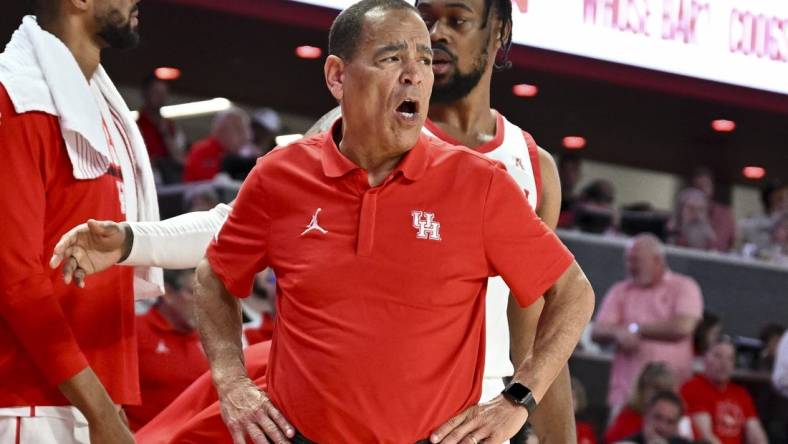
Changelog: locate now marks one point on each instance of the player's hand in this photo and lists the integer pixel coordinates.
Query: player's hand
(492, 423)
(246, 410)
(110, 432)
(89, 248)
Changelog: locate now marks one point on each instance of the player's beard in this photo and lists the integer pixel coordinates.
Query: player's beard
(460, 84)
(115, 32)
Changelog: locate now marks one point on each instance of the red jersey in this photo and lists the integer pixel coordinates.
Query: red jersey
(628, 422)
(380, 291)
(194, 416)
(730, 408)
(169, 362)
(50, 331)
(203, 161)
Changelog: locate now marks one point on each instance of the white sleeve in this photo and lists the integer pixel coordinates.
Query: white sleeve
(176, 243)
(780, 372)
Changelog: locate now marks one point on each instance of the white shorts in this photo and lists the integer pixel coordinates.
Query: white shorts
(43, 425)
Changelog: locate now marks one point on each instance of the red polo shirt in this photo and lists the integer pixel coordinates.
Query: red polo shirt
(380, 291)
(170, 361)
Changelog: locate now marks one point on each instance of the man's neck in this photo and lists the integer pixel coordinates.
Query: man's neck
(719, 385)
(470, 119)
(369, 155)
(85, 50)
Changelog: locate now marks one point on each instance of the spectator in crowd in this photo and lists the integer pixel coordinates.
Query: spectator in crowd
(648, 317)
(200, 198)
(569, 170)
(164, 141)
(757, 231)
(661, 424)
(170, 355)
(770, 337)
(656, 377)
(720, 216)
(593, 211)
(585, 431)
(777, 249)
(690, 225)
(229, 133)
(708, 331)
(780, 371)
(771, 405)
(265, 126)
(722, 412)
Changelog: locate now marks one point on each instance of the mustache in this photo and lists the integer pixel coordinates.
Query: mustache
(438, 46)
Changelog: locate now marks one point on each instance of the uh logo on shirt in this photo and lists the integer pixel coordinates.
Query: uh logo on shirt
(426, 226)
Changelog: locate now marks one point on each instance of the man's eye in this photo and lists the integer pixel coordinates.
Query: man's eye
(427, 61)
(391, 59)
(459, 21)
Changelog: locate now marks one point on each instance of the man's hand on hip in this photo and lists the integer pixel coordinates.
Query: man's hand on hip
(90, 248)
(492, 422)
(246, 410)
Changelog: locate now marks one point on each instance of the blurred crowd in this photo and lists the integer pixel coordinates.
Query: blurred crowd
(698, 221)
(234, 143)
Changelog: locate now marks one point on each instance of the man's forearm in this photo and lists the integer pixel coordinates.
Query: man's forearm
(669, 330)
(85, 392)
(219, 319)
(604, 332)
(554, 421)
(567, 310)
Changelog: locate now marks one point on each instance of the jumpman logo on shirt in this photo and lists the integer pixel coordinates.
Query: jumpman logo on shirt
(313, 225)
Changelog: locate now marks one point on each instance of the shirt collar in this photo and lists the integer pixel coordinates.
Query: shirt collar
(413, 164)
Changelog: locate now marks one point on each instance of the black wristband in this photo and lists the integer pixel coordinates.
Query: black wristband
(128, 242)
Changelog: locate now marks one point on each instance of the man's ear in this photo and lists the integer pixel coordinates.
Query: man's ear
(503, 31)
(80, 5)
(334, 70)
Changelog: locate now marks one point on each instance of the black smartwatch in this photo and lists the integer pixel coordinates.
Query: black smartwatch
(520, 395)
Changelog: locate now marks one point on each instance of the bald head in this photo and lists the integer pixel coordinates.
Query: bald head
(232, 129)
(645, 259)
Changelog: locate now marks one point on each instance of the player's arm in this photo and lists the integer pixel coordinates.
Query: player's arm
(754, 433)
(28, 305)
(702, 421)
(554, 421)
(533, 262)
(175, 243)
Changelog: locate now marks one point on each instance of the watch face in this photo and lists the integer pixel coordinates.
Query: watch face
(518, 391)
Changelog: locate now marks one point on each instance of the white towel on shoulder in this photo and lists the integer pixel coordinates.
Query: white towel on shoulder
(41, 74)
